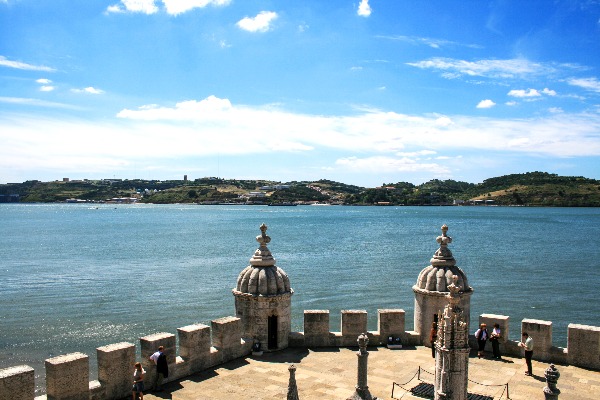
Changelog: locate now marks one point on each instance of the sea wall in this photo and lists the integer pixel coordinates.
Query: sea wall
(202, 347)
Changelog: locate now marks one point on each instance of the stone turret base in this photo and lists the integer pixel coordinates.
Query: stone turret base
(363, 394)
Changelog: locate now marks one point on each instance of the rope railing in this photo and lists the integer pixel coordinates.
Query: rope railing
(418, 376)
(505, 390)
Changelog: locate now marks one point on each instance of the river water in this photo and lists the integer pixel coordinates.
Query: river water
(76, 277)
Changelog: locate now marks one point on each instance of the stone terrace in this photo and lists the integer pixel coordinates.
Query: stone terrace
(331, 373)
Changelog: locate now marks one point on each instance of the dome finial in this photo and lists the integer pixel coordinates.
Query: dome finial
(443, 256)
(262, 256)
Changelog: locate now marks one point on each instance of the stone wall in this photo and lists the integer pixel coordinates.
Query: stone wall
(67, 376)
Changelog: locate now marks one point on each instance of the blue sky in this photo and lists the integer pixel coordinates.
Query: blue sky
(362, 92)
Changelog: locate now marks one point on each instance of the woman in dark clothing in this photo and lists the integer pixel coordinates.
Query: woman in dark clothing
(433, 338)
(481, 335)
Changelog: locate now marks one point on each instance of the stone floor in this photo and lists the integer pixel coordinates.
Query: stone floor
(331, 374)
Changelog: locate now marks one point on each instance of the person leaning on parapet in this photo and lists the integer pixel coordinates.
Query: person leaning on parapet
(527, 344)
(138, 381)
(495, 339)
(482, 336)
(162, 368)
(433, 338)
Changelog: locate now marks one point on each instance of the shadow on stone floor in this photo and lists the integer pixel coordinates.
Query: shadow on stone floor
(290, 355)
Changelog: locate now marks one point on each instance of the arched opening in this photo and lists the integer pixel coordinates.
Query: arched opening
(272, 332)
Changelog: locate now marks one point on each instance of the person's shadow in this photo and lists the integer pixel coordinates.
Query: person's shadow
(538, 378)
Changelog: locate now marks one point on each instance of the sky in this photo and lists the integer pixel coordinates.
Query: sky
(362, 92)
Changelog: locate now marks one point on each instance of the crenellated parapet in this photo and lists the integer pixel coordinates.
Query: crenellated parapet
(317, 331)
(202, 347)
(68, 376)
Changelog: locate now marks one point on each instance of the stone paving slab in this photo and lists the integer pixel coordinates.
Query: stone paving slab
(332, 373)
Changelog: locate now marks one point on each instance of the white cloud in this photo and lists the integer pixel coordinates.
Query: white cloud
(260, 23)
(43, 81)
(141, 6)
(37, 103)
(531, 93)
(512, 68)
(89, 89)
(47, 88)
(176, 7)
(115, 8)
(431, 42)
(555, 110)
(364, 9)
(443, 121)
(486, 104)
(511, 103)
(524, 93)
(211, 107)
(592, 84)
(4, 62)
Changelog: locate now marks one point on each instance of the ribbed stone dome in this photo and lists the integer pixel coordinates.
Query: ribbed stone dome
(438, 276)
(262, 277)
(437, 279)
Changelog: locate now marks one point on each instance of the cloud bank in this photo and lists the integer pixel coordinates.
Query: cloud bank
(364, 143)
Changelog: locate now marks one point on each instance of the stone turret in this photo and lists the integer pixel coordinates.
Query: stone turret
(452, 349)
(432, 287)
(263, 299)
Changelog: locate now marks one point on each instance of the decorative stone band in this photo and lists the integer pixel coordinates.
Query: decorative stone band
(261, 296)
(433, 293)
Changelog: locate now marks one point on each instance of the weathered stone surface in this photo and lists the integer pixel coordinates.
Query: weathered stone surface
(583, 344)
(68, 377)
(316, 328)
(226, 332)
(17, 383)
(194, 346)
(115, 366)
(390, 323)
(354, 323)
(541, 333)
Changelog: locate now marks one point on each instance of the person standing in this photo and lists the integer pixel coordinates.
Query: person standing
(138, 381)
(433, 338)
(482, 336)
(162, 368)
(495, 339)
(527, 344)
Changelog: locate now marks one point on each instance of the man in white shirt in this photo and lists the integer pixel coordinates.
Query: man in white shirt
(527, 344)
(162, 368)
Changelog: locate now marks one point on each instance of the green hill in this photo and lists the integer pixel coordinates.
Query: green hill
(528, 189)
